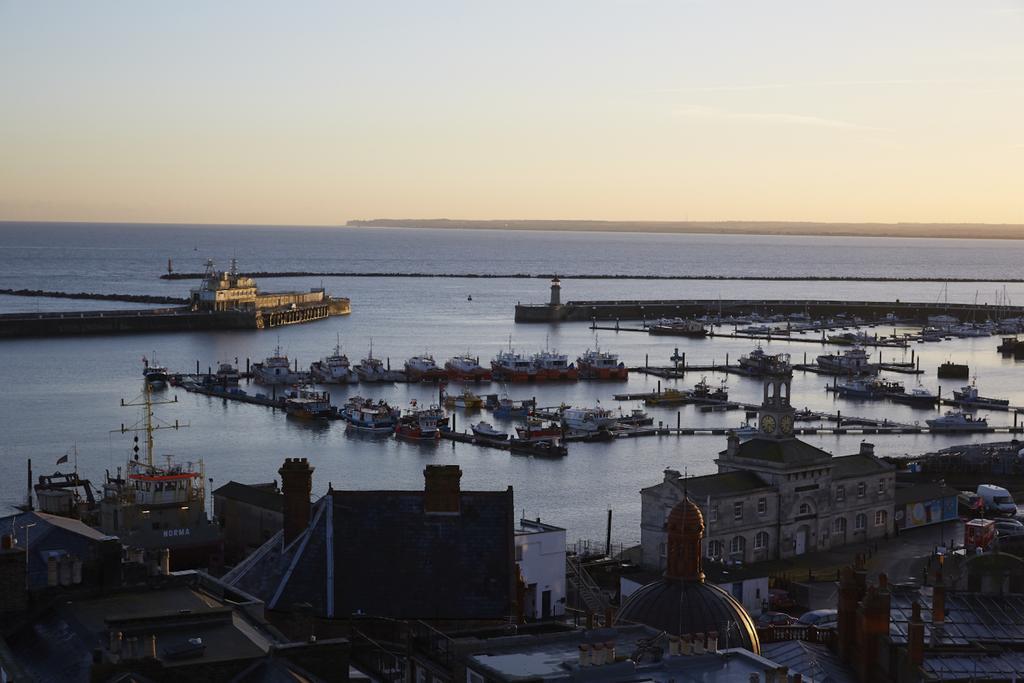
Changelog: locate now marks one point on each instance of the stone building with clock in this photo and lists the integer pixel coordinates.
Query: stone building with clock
(775, 496)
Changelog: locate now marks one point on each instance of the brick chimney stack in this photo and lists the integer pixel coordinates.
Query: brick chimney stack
(442, 489)
(938, 600)
(867, 448)
(852, 584)
(915, 636)
(873, 618)
(297, 485)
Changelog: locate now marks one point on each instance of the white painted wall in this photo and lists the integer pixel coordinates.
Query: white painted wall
(541, 558)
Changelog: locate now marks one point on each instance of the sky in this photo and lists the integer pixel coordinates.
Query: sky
(320, 112)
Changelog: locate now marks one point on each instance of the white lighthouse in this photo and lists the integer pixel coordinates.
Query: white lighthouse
(556, 291)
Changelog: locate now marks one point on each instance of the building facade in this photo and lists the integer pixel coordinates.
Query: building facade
(540, 554)
(775, 496)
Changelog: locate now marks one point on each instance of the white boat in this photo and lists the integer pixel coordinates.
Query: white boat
(968, 395)
(958, 421)
(931, 334)
(588, 419)
(513, 367)
(275, 369)
(746, 431)
(309, 404)
(466, 368)
(154, 374)
(334, 369)
(554, 365)
(487, 432)
(372, 369)
(853, 361)
(423, 368)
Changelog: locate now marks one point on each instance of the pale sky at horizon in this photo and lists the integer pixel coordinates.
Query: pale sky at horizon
(321, 112)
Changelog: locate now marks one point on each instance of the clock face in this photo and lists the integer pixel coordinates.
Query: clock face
(768, 424)
(786, 423)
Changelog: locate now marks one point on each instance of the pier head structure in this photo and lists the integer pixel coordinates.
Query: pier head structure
(225, 300)
(775, 496)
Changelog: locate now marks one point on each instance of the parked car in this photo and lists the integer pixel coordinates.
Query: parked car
(820, 618)
(997, 499)
(766, 619)
(779, 600)
(1009, 526)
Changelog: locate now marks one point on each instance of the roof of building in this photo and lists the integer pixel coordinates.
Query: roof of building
(258, 496)
(526, 527)
(974, 666)
(555, 657)
(373, 552)
(970, 617)
(812, 661)
(688, 607)
(781, 451)
(858, 465)
(737, 482)
(916, 493)
(59, 644)
(48, 534)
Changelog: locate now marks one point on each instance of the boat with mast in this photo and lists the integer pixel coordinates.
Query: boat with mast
(276, 369)
(598, 364)
(467, 368)
(155, 374)
(156, 506)
(333, 369)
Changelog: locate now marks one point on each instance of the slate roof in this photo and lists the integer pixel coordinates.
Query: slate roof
(916, 493)
(970, 618)
(252, 495)
(812, 660)
(782, 451)
(379, 553)
(858, 465)
(51, 533)
(722, 483)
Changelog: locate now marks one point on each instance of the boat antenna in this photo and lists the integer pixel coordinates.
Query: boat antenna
(146, 424)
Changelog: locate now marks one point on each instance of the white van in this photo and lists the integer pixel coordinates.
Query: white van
(997, 499)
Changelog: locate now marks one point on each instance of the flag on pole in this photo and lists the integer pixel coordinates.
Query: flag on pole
(62, 459)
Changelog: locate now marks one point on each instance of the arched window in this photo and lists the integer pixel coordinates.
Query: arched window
(861, 522)
(761, 540)
(805, 509)
(839, 525)
(737, 545)
(716, 549)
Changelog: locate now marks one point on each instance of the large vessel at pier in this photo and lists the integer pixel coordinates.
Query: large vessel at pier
(467, 368)
(598, 364)
(334, 369)
(853, 361)
(276, 369)
(510, 366)
(423, 369)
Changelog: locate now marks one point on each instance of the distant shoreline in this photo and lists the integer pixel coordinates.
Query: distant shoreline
(1006, 231)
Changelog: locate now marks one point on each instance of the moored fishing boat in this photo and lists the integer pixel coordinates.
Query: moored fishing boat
(637, 417)
(537, 430)
(702, 391)
(154, 374)
(510, 366)
(423, 369)
(958, 421)
(588, 419)
(364, 415)
(486, 432)
(951, 370)
(917, 397)
(372, 369)
(276, 369)
(853, 361)
(969, 396)
(504, 406)
(467, 369)
(667, 397)
(598, 364)
(418, 424)
(465, 399)
(333, 369)
(554, 366)
(677, 327)
(309, 404)
(226, 374)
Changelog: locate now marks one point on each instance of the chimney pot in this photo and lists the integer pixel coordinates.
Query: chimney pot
(867, 448)
(296, 485)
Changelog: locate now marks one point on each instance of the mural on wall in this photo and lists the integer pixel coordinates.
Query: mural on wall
(930, 512)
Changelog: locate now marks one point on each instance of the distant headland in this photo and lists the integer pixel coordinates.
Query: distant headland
(949, 230)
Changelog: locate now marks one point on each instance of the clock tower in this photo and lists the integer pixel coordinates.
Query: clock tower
(776, 413)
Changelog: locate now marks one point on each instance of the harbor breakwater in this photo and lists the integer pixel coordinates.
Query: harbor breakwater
(595, 276)
(586, 311)
(175, 319)
(129, 298)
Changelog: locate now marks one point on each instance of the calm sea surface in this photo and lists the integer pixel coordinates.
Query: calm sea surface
(60, 392)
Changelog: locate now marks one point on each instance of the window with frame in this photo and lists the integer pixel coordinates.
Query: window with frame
(737, 545)
(840, 492)
(881, 518)
(861, 522)
(761, 540)
(862, 490)
(713, 517)
(716, 549)
(805, 509)
(762, 506)
(737, 510)
(881, 485)
(839, 525)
